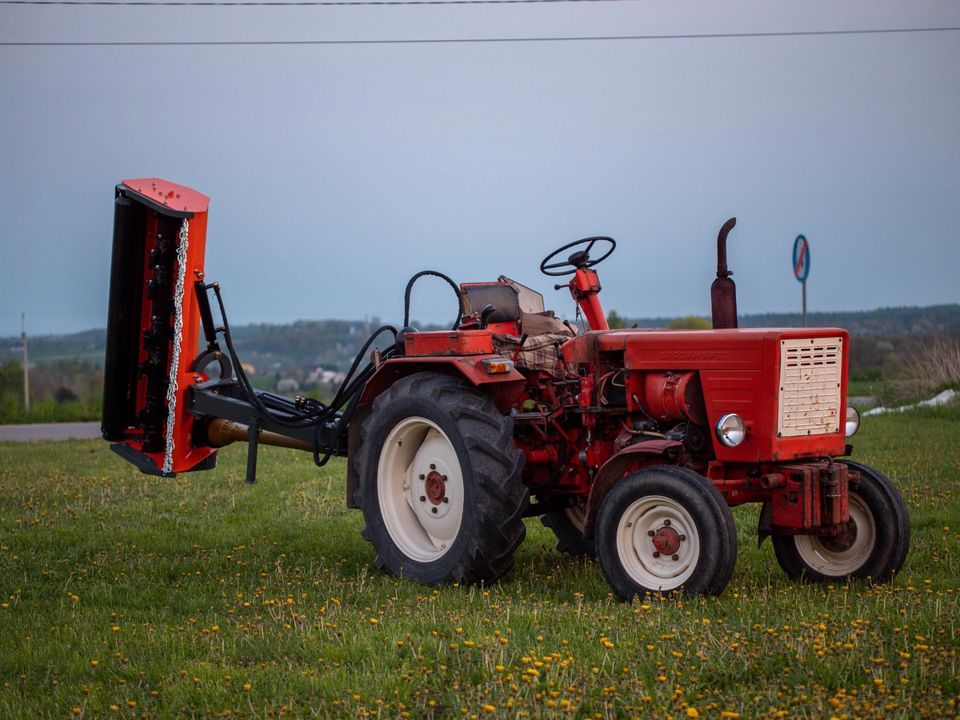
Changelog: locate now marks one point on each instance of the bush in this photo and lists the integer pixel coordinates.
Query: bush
(64, 395)
(691, 322)
(923, 370)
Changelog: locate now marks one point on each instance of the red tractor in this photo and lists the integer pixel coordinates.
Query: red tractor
(632, 445)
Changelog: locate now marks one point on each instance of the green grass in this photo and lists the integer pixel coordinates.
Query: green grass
(864, 387)
(131, 596)
(47, 411)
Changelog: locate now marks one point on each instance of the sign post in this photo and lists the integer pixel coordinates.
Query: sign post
(801, 268)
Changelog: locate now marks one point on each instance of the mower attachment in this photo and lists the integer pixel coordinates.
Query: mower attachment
(153, 326)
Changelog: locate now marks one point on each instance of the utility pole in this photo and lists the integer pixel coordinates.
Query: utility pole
(26, 363)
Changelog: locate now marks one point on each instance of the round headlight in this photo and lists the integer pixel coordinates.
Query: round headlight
(853, 421)
(731, 430)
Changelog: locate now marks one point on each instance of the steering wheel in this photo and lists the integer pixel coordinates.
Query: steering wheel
(577, 260)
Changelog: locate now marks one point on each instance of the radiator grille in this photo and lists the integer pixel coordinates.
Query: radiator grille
(810, 374)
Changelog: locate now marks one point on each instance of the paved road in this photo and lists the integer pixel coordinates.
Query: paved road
(50, 431)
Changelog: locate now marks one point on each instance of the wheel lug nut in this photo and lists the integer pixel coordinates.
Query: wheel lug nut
(656, 554)
(433, 466)
(423, 498)
(651, 533)
(446, 500)
(433, 510)
(676, 557)
(666, 523)
(423, 477)
(443, 477)
(682, 538)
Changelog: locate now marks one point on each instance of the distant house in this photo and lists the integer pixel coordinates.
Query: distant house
(287, 385)
(319, 376)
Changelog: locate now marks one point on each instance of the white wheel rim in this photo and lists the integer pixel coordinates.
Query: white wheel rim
(638, 527)
(420, 489)
(819, 557)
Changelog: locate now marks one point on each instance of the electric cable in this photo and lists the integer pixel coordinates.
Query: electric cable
(291, 3)
(481, 40)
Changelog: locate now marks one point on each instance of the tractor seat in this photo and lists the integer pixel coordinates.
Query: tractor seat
(519, 310)
(504, 298)
(511, 300)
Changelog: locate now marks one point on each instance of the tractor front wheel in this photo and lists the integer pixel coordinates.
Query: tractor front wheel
(440, 484)
(873, 548)
(666, 529)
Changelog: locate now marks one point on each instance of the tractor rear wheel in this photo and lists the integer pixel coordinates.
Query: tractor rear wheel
(666, 529)
(874, 548)
(440, 485)
(568, 526)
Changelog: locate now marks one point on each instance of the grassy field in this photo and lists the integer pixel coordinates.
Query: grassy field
(130, 596)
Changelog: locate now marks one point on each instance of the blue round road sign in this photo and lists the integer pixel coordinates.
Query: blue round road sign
(801, 258)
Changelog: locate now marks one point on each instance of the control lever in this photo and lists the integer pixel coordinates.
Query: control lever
(516, 353)
(487, 311)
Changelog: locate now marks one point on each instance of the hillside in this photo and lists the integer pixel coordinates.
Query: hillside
(883, 322)
(332, 344)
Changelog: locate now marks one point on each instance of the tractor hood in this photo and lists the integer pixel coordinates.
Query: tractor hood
(659, 349)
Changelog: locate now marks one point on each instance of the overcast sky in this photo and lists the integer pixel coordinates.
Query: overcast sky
(336, 172)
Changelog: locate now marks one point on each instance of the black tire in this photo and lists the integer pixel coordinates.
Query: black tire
(654, 500)
(567, 527)
(491, 499)
(880, 516)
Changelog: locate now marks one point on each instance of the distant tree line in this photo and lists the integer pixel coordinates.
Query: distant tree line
(888, 349)
(60, 390)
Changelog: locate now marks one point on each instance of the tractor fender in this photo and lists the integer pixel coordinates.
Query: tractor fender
(505, 387)
(649, 452)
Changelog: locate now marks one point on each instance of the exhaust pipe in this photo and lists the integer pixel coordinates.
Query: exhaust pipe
(723, 292)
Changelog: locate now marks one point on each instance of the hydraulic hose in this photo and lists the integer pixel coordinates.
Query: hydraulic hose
(433, 273)
(317, 414)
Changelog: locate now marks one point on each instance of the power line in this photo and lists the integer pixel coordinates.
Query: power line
(287, 3)
(451, 41)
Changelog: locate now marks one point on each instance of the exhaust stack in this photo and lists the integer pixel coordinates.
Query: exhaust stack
(723, 292)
